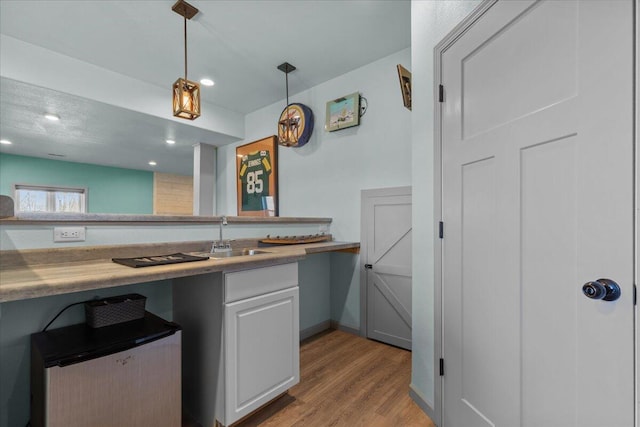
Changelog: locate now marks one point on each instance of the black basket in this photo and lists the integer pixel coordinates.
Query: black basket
(113, 310)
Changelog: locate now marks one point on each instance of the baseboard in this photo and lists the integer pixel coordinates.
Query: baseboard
(349, 329)
(422, 403)
(323, 326)
(315, 329)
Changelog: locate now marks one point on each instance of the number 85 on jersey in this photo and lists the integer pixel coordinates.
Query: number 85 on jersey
(255, 172)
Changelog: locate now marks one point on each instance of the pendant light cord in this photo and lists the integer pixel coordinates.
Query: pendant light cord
(286, 78)
(287, 133)
(185, 47)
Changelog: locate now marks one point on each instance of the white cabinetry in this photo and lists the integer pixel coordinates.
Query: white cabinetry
(240, 340)
(261, 350)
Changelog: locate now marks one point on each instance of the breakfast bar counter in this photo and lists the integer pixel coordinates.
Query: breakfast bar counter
(35, 273)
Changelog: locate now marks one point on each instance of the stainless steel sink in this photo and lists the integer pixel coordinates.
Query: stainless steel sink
(237, 252)
(233, 253)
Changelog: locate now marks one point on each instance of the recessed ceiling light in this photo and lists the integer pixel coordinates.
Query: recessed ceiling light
(206, 82)
(170, 141)
(5, 142)
(152, 163)
(52, 117)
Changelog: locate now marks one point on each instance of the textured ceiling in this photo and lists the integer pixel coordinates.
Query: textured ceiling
(237, 43)
(93, 132)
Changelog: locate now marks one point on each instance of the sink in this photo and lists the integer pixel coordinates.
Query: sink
(237, 252)
(233, 253)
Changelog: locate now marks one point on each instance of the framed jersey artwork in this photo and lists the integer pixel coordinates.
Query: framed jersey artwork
(257, 177)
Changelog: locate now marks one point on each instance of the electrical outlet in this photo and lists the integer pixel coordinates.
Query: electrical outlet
(69, 234)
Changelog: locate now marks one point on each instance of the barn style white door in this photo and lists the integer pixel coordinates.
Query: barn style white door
(386, 238)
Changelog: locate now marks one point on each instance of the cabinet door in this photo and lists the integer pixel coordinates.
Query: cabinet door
(261, 351)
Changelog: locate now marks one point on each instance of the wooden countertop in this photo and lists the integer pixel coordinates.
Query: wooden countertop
(24, 280)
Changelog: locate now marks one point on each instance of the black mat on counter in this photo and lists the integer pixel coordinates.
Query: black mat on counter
(158, 260)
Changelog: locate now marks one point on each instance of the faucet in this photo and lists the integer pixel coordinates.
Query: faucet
(223, 221)
(221, 245)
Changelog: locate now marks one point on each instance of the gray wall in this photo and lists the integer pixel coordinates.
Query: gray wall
(325, 177)
(430, 22)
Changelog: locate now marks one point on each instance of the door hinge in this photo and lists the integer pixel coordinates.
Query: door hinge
(441, 230)
(441, 93)
(441, 367)
(635, 294)
(368, 266)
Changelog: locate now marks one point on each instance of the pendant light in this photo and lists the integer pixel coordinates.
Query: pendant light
(186, 94)
(288, 124)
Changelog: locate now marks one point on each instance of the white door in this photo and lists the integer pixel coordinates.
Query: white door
(537, 200)
(386, 242)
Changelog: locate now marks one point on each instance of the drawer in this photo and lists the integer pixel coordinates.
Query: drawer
(258, 281)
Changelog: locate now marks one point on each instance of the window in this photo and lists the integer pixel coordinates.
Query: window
(37, 198)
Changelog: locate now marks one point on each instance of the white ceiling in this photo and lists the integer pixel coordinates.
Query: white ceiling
(93, 132)
(236, 43)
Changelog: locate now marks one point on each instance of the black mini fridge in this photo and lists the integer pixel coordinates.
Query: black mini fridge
(128, 374)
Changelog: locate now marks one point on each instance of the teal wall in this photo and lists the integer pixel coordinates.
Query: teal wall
(111, 190)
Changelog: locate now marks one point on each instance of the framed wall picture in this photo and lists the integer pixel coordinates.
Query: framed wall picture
(257, 178)
(343, 112)
(405, 85)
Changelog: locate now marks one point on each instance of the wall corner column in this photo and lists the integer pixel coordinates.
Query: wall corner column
(204, 179)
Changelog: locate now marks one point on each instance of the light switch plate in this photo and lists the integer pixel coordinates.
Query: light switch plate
(69, 234)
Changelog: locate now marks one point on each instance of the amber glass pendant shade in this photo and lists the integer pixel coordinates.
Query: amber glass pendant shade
(288, 126)
(186, 99)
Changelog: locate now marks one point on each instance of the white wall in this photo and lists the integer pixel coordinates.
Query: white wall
(37, 236)
(430, 22)
(324, 177)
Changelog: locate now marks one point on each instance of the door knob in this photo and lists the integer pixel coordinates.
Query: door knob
(604, 289)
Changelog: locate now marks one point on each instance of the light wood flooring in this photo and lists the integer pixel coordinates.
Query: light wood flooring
(346, 381)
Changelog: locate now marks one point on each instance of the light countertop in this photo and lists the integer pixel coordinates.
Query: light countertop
(68, 272)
